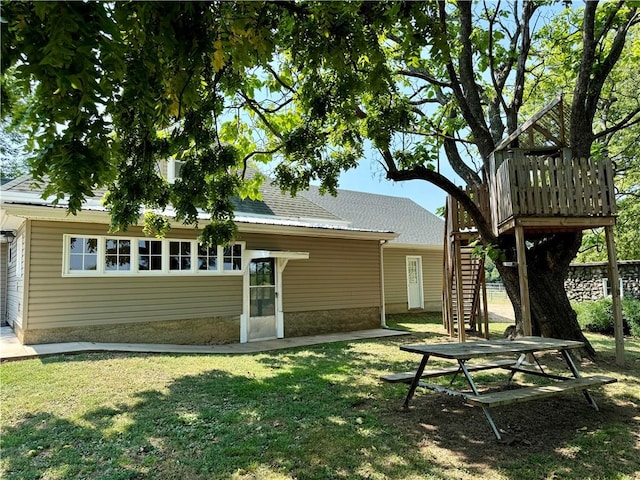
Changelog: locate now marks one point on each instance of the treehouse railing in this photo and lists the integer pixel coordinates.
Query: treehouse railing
(459, 219)
(552, 186)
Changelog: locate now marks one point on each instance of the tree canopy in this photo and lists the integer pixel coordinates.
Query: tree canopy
(114, 88)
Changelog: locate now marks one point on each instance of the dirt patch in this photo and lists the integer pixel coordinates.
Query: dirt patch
(557, 429)
(455, 433)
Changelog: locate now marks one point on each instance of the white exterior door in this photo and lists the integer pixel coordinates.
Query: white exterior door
(263, 301)
(414, 283)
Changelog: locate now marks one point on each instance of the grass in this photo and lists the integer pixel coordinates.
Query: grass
(308, 413)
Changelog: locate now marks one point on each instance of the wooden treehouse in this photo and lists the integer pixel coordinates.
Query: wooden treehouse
(534, 187)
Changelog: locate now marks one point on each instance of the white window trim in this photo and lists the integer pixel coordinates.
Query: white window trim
(134, 271)
(605, 287)
(171, 170)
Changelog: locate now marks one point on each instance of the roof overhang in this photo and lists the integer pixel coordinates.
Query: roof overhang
(98, 214)
(413, 246)
(256, 254)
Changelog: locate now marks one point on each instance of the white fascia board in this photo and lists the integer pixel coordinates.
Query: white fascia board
(413, 246)
(314, 231)
(257, 254)
(99, 214)
(304, 220)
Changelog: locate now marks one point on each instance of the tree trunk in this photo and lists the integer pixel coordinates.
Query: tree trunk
(547, 265)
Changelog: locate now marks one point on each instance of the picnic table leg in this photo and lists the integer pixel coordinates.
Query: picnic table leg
(416, 381)
(574, 370)
(485, 410)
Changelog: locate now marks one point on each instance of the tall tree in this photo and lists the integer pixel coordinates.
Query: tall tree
(555, 68)
(121, 86)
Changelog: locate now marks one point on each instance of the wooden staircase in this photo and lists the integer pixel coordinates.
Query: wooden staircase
(465, 298)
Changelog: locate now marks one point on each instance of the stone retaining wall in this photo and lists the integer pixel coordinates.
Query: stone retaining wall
(584, 281)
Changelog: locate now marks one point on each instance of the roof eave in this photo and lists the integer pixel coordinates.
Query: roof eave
(51, 213)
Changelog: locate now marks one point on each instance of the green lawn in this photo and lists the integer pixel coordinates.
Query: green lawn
(308, 413)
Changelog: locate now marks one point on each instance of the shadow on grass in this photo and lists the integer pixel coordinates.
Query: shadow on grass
(320, 413)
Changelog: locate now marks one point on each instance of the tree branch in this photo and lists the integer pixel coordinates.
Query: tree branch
(253, 105)
(626, 122)
(419, 172)
(422, 75)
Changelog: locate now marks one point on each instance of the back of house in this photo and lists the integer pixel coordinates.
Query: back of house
(300, 265)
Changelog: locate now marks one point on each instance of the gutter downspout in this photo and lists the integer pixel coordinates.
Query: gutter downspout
(383, 312)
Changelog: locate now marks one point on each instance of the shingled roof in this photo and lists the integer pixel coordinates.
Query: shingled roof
(415, 225)
(354, 210)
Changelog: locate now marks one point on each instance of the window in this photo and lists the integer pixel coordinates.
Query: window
(83, 254)
(207, 258)
(173, 170)
(150, 255)
(117, 254)
(232, 257)
(180, 255)
(606, 288)
(96, 255)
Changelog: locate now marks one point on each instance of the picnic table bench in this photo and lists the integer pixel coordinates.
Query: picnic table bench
(465, 353)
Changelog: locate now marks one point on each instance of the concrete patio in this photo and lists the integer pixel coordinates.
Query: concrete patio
(11, 349)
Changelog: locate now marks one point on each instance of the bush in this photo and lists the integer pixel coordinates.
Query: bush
(597, 317)
(631, 313)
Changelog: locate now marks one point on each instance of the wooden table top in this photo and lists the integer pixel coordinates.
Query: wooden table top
(491, 347)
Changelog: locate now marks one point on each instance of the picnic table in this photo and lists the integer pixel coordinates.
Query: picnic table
(466, 355)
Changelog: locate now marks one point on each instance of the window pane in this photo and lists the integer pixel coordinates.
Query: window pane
(143, 247)
(143, 263)
(75, 262)
(185, 248)
(91, 262)
(124, 263)
(91, 245)
(156, 263)
(156, 247)
(76, 245)
(124, 246)
(263, 301)
(111, 262)
(111, 246)
(174, 248)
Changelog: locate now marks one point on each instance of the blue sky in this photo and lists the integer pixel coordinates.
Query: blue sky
(370, 177)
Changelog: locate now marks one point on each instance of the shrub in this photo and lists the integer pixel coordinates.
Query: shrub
(595, 316)
(631, 313)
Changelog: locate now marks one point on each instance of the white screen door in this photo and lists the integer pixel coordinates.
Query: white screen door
(262, 299)
(414, 282)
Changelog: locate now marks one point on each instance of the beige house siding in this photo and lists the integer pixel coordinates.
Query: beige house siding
(395, 278)
(339, 273)
(341, 276)
(56, 301)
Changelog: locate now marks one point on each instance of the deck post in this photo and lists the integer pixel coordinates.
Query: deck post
(459, 290)
(525, 306)
(614, 281)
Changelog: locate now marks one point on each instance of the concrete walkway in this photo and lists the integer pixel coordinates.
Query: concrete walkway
(12, 349)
